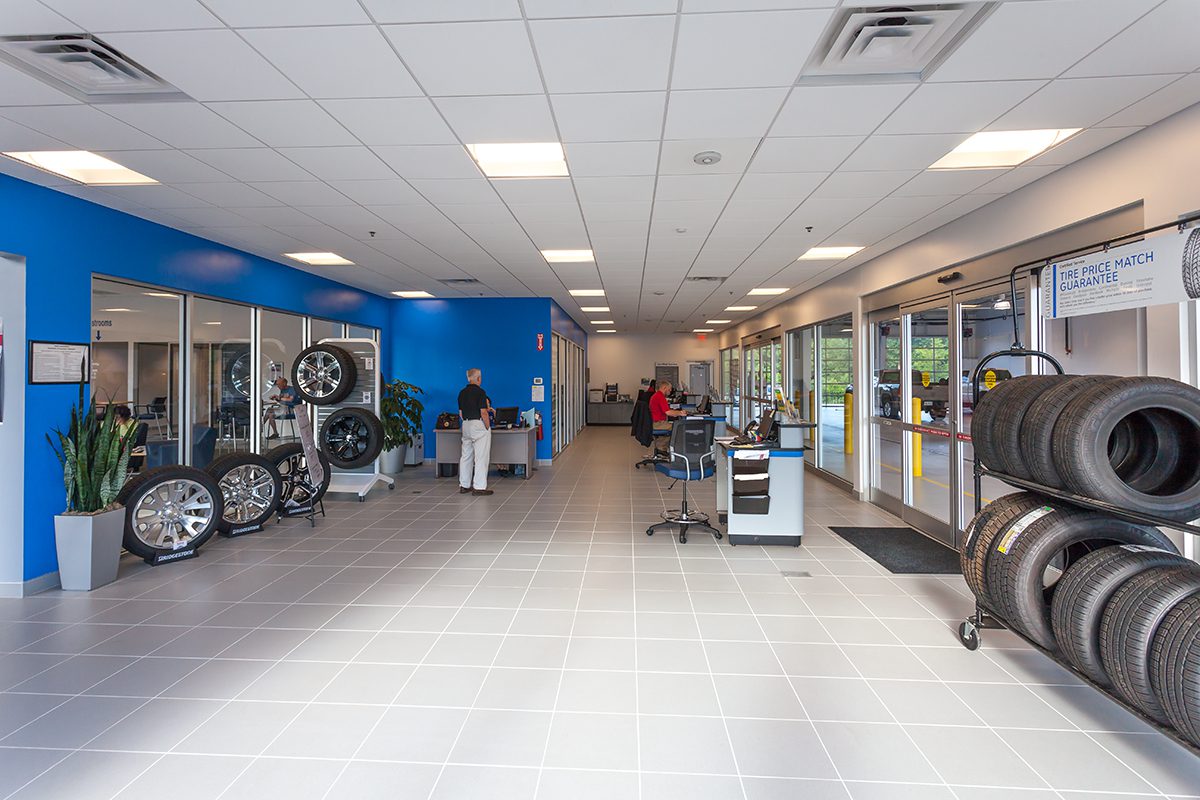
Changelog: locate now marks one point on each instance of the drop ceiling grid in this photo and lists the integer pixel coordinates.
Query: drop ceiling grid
(325, 136)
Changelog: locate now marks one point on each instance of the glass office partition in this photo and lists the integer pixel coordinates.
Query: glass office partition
(319, 329)
(222, 349)
(361, 332)
(282, 339)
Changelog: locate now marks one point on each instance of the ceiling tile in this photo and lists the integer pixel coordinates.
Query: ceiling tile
(384, 121)
(473, 190)
(861, 184)
(386, 11)
(212, 217)
(678, 156)
(286, 123)
(433, 161)
(134, 15)
(273, 215)
(388, 191)
(535, 190)
(19, 137)
(165, 197)
(722, 113)
(1159, 42)
(1014, 179)
(689, 187)
(168, 166)
(838, 110)
(302, 193)
(718, 51)
(914, 151)
(339, 163)
(1080, 102)
(22, 17)
(943, 182)
(535, 9)
(1083, 144)
(619, 190)
(1053, 35)
(957, 107)
(593, 159)
(793, 186)
(508, 118)
(82, 126)
(251, 164)
(609, 117)
(268, 13)
(803, 154)
(229, 194)
(1166, 101)
(494, 213)
(606, 213)
(353, 61)
(578, 55)
(468, 58)
(184, 125)
(184, 58)
(19, 89)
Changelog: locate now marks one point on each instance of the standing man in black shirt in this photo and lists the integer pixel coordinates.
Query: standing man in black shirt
(473, 406)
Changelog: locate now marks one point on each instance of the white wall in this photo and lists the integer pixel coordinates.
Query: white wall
(625, 359)
(12, 429)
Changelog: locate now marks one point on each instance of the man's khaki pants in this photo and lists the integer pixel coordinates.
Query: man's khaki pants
(476, 454)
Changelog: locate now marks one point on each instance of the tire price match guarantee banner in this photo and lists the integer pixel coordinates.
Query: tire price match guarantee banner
(1159, 270)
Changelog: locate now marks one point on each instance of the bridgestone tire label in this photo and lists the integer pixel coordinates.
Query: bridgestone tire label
(1142, 548)
(1010, 537)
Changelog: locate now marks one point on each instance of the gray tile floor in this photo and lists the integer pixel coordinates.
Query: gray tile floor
(537, 644)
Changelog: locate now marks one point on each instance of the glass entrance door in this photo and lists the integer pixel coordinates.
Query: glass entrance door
(886, 433)
(931, 428)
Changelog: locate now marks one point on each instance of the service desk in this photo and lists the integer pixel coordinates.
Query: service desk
(772, 511)
(509, 446)
(609, 413)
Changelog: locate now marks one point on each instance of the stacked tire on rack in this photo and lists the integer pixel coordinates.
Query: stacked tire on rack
(1110, 597)
(325, 375)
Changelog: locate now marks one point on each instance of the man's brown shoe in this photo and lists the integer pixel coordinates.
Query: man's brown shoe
(464, 489)
(481, 492)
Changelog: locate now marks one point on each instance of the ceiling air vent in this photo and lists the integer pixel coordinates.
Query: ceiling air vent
(891, 42)
(460, 281)
(86, 68)
(704, 279)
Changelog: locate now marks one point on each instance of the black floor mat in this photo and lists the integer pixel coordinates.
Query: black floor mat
(902, 551)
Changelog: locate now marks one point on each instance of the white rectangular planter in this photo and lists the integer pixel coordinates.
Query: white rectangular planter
(89, 549)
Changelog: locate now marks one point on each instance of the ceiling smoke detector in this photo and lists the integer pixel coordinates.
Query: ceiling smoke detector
(706, 158)
(86, 68)
(897, 43)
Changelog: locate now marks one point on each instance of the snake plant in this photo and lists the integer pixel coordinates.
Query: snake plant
(94, 455)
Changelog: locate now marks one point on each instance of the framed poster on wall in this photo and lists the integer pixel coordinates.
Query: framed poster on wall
(58, 362)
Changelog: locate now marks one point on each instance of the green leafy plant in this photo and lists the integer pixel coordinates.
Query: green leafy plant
(400, 411)
(94, 455)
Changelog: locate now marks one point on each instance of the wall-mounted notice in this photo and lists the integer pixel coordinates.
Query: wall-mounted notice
(58, 362)
(1158, 270)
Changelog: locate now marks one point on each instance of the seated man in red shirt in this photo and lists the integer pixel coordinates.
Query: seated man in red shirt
(660, 415)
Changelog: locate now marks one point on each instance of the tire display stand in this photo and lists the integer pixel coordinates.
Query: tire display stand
(365, 395)
(984, 618)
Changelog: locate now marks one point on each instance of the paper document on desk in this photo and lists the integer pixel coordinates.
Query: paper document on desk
(752, 455)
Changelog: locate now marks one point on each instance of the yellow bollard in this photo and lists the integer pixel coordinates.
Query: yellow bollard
(848, 422)
(808, 432)
(916, 438)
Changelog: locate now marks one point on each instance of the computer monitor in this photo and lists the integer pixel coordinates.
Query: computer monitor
(507, 416)
(704, 407)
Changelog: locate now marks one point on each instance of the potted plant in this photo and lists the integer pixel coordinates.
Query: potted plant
(400, 411)
(95, 456)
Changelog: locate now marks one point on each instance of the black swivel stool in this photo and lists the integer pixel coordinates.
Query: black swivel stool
(692, 459)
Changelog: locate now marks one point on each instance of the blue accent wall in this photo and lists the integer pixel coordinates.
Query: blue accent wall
(64, 240)
(434, 343)
(562, 324)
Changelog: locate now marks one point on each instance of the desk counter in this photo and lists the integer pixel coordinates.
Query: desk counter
(509, 446)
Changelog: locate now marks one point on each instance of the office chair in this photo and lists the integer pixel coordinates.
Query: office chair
(204, 443)
(641, 427)
(137, 448)
(692, 459)
(156, 411)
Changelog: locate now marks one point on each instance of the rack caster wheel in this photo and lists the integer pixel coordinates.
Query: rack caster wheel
(968, 634)
(649, 531)
(682, 539)
(718, 536)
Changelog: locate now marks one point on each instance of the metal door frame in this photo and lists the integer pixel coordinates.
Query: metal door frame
(891, 503)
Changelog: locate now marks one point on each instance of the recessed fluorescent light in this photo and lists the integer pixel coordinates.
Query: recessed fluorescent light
(702, 330)
(116, 309)
(594, 309)
(413, 295)
(606, 330)
(828, 253)
(717, 321)
(998, 149)
(568, 256)
(524, 160)
(740, 308)
(82, 167)
(171, 295)
(212, 323)
(602, 322)
(319, 259)
(588, 293)
(766, 291)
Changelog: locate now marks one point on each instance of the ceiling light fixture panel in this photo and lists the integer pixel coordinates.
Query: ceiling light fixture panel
(587, 293)
(81, 166)
(717, 321)
(764, 292)
(594, 309)
(520, 160)
(319, 259)
(413, 295)
(740, 308)
(607, 330)
(568, 256)
(1002, 149)
(828, 253)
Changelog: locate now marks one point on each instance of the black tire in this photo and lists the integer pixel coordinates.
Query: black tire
(1083, 593)
(1037, 428)
(324, 374)
(982, 417)
(170, 511)
(1134, 442)
(298, 489)
(1128, 626)
(250, 489)
(1175, 667)
(1022, 564)
(1005, 429)
(1191, 264)
(351, 438)
(994, 520)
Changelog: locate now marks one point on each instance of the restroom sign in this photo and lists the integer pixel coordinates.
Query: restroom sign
(541, 342)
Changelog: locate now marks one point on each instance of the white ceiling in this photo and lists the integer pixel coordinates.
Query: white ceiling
(317, 122)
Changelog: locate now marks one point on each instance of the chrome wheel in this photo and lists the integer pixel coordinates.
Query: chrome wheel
(239, 373)
(249, 492)
(172, 514)
(319, 374)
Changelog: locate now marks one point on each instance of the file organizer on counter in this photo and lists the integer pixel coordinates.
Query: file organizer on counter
(764, 489)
